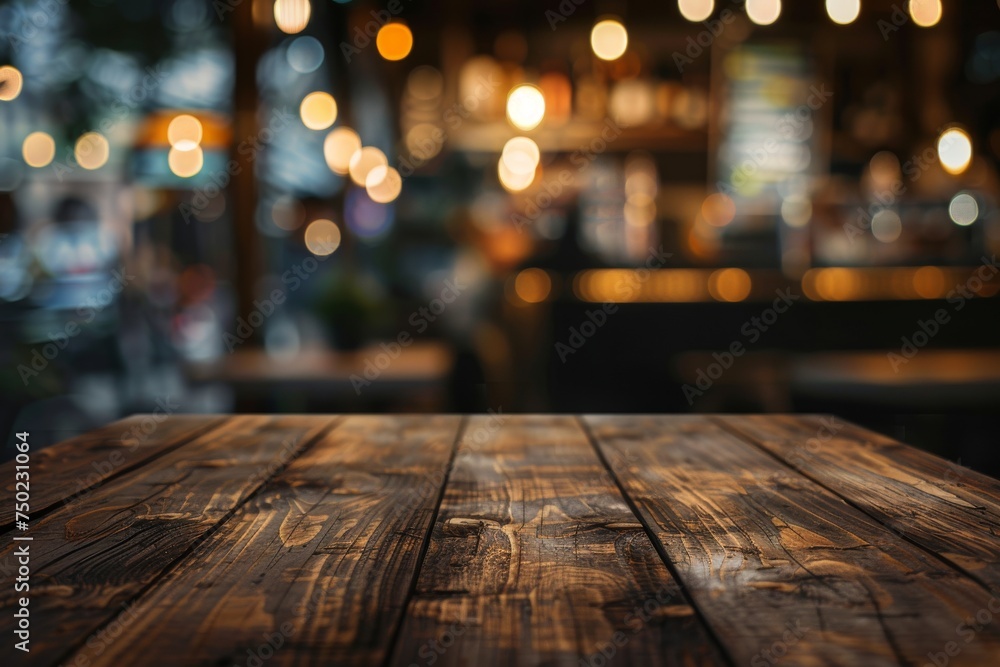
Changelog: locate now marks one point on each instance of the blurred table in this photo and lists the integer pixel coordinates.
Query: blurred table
(503, 540)
(416, 378)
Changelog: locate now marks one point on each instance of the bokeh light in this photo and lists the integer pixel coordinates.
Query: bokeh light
(363, 161)
(11, 82)
(843, 12)
(394, 41)
(383, 184)
(963, 209)
(696, 10)
(532, 285)
(338, 148)
(718, 209)
(954, 150)
(763, 12)
(513, 181)
(92, 151)
(318, 110)
(292, 16)
(525, 107)
(609, 39)
(521, 155)
(186, 162)
(886, 226)
(38, 149)
(322, 237)
(925, 13)
(729, 285)
(184, 132)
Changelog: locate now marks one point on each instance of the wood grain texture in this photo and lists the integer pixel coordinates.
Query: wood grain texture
(93, 555)
(950, 510)
(315, 569)
(72, 468)
(536, 559)
(772, 560)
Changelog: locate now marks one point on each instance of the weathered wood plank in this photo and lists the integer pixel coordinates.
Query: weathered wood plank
(778, 564)
(93, 555)
(950, 510)
(70, 469)
(315, 569)
(536, 559)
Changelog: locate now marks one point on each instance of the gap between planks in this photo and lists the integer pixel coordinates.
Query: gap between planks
(681, 583)
(173, 565)
(751, 440)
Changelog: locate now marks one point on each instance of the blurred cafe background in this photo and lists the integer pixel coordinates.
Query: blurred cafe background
(508, 205)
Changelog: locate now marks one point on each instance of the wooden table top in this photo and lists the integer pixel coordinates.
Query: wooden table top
(496, 539)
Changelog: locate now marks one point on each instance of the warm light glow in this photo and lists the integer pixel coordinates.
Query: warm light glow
(843, 11)
(718, 209)
(886, 226)
(186, 163)
(963, 209)
(383, 184)
(338, 148)
(322, 237)
(363, 161)
(763, 12)
(38, 149)
(729, 285)
(609, 39)
(11, 82)
(525, 107)
(184, 132)
(925, 13)
(696, 10)
(318, 110)
(532, 285)
(91, 151)
(521, 155)
(513, 181)
(394, 41)
(929, 282)
(292, 16)
(954, 150)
